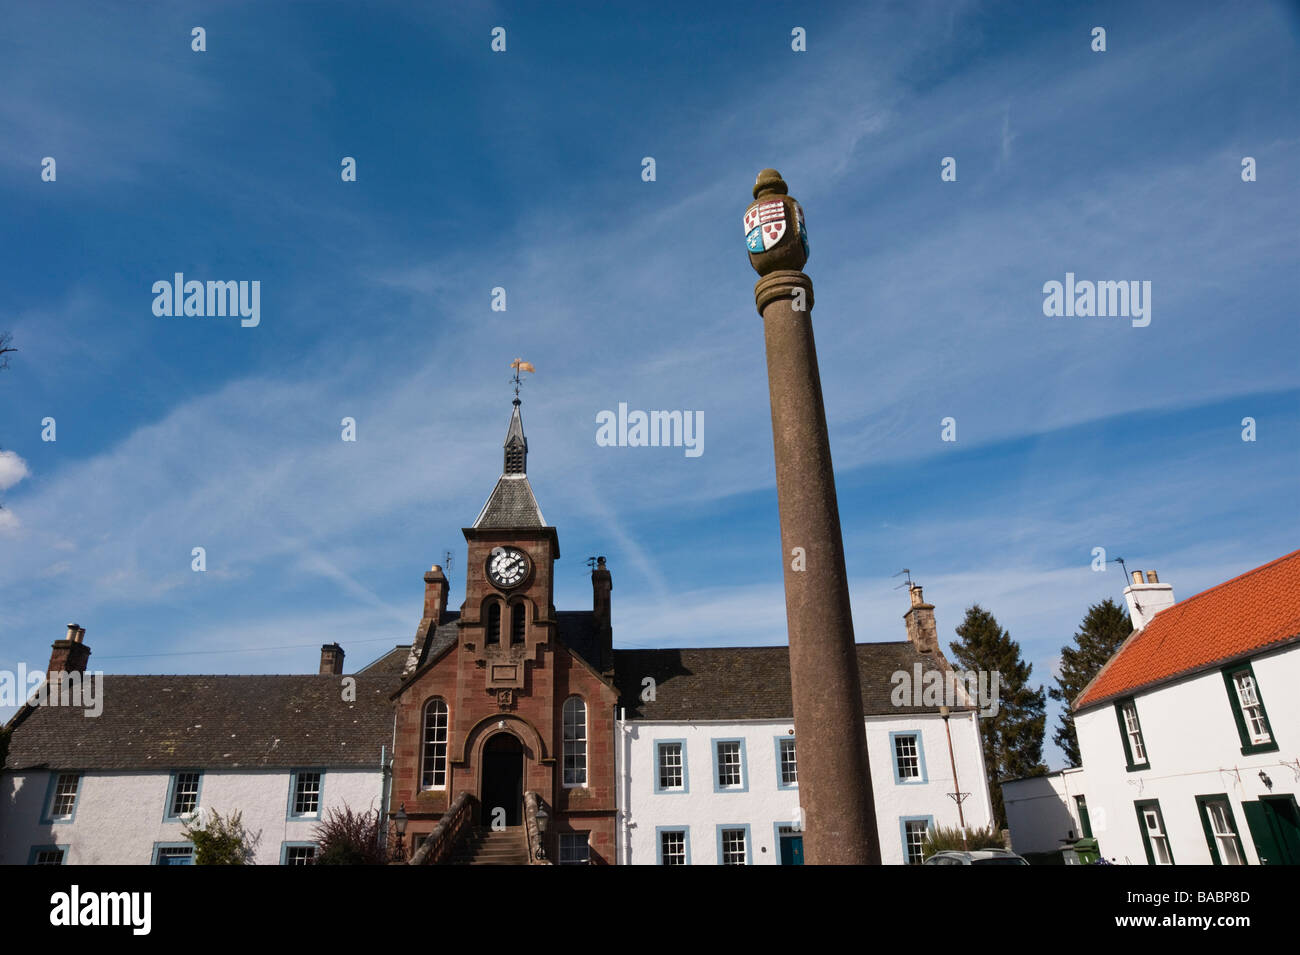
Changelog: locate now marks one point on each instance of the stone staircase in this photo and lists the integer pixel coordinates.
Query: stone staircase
(508, 846)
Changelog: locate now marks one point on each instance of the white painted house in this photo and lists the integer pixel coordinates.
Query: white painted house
(708, 767)
(118, 788)
(1190, 734)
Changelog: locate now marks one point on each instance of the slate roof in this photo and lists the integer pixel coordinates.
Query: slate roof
(749, 683)
(216, 722)
(1245, 615)
(511, 504)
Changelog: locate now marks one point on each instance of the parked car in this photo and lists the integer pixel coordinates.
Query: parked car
(976, 857)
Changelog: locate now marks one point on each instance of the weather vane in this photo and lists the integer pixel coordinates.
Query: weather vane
(520, 365)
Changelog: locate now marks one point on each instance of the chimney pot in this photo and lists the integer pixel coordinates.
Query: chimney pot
(1152, 578)
(70, 654)
(1137, 577)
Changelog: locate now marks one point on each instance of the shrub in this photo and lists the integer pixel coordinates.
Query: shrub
(221, 841)
(352, 838)
(946, 838)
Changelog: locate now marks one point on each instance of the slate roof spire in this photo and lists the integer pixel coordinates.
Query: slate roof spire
(516, 460)
(511, 503)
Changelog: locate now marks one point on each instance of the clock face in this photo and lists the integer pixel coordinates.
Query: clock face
(507, 567)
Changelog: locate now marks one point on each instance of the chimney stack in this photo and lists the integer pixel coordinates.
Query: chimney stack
(919, 618)
(331, 660)
(70, 654)
(1146, 597)
(435, 595)
(601, 584)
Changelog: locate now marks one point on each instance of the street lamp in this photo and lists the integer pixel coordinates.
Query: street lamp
(543, 823)
(399, 820)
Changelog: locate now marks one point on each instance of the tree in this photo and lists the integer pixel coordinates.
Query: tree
(352, 838)
(1104, 628)
(1013, 737)
(221, 841)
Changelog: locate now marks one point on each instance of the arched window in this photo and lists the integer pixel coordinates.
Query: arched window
(494, 623)
(434, 770)
(517, 615)
(575, 742)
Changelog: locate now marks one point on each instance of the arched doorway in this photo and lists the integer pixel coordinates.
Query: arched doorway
(503, 778)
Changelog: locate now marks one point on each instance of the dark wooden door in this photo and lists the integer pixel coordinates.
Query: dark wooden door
(503, 780)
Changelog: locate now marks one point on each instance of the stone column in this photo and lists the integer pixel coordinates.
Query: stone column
(839, 816)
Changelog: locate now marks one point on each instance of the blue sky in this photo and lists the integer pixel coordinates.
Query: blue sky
(522, 170)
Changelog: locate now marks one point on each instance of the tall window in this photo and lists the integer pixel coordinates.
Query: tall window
(1251, 709)
(64, 801)
(517, 616)
(907, 756)
(729, 764)
(789, 767)
(732, 847)
(670, 772)
(494, 623)
(575, 742)
(1221, 830)
(306, 793)
(1154, 838)
(672, 847)
(434, 773)
(914, 831)
(185, 794)
(1135, 750)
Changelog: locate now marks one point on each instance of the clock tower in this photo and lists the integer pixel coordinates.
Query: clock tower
(509, 696)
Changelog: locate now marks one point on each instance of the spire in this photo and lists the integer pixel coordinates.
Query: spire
(511, 503)
(516, 459)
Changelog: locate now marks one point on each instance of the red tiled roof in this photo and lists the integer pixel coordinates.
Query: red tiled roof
(1244, 615)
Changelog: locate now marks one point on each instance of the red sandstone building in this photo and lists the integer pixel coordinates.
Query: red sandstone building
(508, 695)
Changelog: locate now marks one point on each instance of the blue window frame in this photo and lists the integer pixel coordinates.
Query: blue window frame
(670, 769)
(732, 840)
(730, 768)
(62, 796)
(787, 763)
(306, 794)
(908, 834)
(909, 758)
(298, 853)
(183, 793)
(173, 853)
(48, 855)
(678, 844)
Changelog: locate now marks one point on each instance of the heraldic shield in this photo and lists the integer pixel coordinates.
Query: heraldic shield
(765, 225)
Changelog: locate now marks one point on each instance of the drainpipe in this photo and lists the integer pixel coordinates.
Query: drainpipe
(625, 786)
(956, 786)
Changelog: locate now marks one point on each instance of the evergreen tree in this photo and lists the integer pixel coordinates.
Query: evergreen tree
(1104, 628)
(1013, 738)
